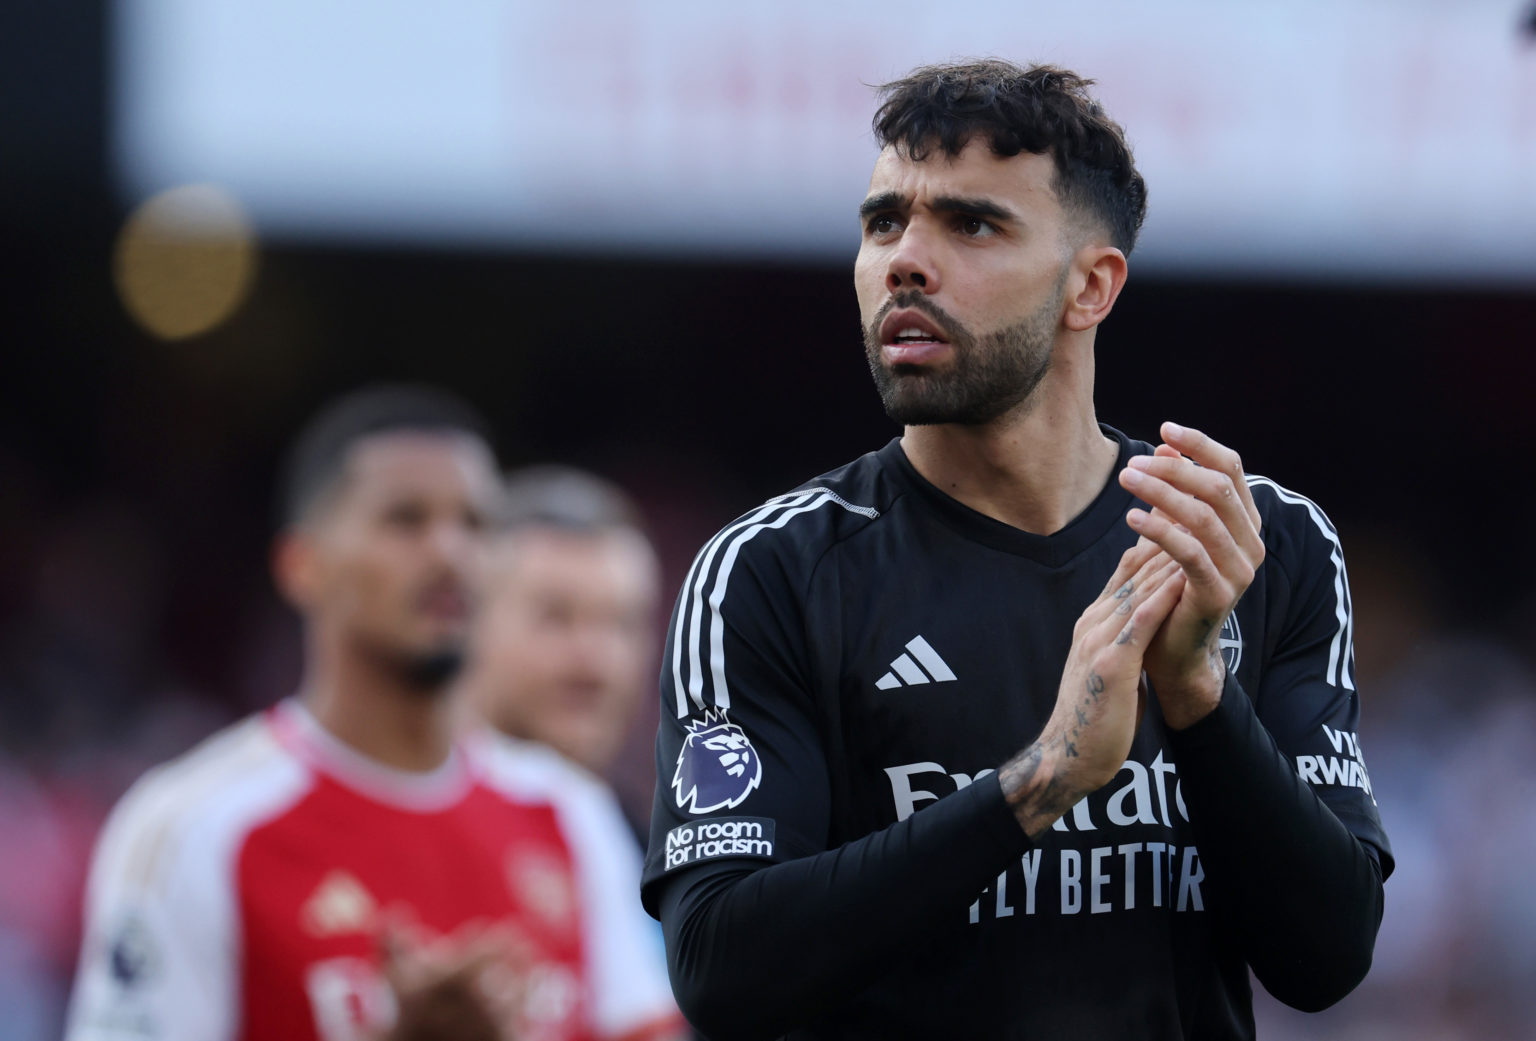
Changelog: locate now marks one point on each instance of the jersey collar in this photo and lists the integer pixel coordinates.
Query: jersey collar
(1087, 528)
(300, 732)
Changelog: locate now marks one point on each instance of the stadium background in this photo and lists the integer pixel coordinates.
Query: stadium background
(1390, 377)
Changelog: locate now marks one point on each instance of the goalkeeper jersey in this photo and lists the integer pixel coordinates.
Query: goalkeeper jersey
(865, 650)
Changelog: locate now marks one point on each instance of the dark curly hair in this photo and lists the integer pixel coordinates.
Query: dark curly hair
(1041, 109)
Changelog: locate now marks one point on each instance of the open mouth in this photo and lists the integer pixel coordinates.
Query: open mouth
(906, 328)
(909, 337)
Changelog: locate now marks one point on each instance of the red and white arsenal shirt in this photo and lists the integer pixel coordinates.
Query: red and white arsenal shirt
(237, 892)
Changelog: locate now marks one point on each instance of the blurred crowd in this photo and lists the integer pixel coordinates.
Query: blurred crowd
(90, 697)
(1449, 733)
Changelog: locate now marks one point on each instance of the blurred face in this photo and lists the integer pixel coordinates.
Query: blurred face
(960, 276)
(389, 566)
(566, 644)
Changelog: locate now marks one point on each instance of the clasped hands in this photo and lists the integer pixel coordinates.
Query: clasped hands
(468, 986)
(1160, 615)
(1204, 519)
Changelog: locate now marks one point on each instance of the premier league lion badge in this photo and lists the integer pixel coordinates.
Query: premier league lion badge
(717, 767)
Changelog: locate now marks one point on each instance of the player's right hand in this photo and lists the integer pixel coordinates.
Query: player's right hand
(1098, 705)
(458, 988)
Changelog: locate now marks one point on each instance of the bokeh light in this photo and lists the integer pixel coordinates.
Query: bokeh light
(185, 261)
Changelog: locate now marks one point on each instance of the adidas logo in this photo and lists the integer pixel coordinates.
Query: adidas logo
(909, 671)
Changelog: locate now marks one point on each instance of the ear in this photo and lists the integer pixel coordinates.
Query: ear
(1100, 275)
(296, 568)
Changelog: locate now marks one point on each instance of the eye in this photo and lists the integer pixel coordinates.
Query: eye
(882, 224)
(553, 609)
(976, 228)
(405, 516)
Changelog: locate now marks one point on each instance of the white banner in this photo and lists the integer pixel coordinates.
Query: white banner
(1370, 139)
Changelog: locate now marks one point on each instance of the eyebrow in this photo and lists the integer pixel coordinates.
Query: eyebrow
(879, 203)
(970, 207)
(973, 208)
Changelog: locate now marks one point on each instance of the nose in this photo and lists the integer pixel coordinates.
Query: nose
(597, 644)
(913, 263)
(452, 541)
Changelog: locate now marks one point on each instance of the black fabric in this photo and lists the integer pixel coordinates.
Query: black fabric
(845, 668)
(730, 930)
(1302, 896)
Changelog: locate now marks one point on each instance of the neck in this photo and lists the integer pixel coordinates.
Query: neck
(1035, 468)
(363, 702)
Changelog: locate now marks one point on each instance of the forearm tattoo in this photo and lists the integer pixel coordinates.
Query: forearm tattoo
(1036, 795)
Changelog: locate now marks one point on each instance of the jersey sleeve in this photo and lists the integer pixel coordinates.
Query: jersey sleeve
(740, 772)
(1307, 697)
(631, 998)
(1295, 867)
(765, 925)
(157, 962)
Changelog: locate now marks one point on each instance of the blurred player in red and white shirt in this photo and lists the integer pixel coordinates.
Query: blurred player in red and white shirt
(343, 866)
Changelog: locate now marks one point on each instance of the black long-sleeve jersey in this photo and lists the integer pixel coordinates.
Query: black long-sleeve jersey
(831, 855)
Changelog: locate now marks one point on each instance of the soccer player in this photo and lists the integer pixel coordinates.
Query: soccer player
(1017, 727)
(343, 866)
(564, 649)
(567, 640)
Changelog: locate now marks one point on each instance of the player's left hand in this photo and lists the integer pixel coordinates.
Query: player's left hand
(1204, 517)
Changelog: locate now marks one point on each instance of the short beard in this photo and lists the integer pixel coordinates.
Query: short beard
(428, 674)
(990, 375)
